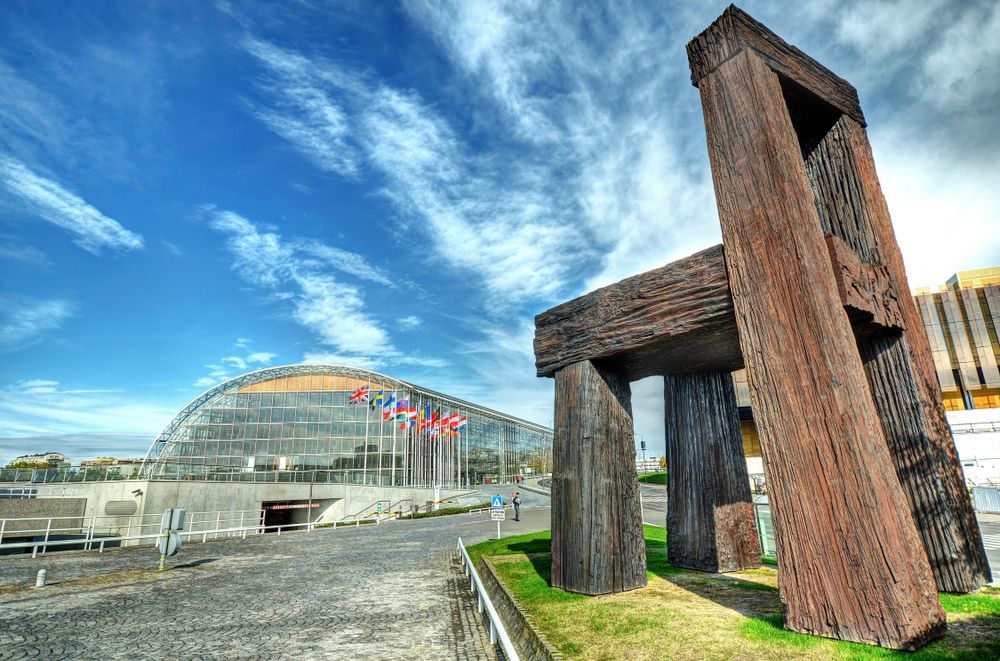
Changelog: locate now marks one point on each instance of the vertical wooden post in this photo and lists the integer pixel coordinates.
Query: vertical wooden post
(597, 540)
(900, 369)
(851, 563)
(710, 518)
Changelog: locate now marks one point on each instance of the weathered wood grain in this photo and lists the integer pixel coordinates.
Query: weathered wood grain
(597, 539)
(735, 31)
(900, 370)
(865, 289)
(851, 563)
(676, 318)
(679, 318)
(710, 518)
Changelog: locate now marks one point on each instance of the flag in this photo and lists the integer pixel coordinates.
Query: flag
(462, 422)
(388, 407)
(410, 419)
(450, 421)
(425, 418)
(377, 399)
(360, 395)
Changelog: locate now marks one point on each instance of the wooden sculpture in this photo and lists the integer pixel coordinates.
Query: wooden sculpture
(808, 292)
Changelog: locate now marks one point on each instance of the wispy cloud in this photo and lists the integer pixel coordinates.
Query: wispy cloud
(303, 113)
(25, 321)
(409, 323)
(230, 366)
(507, 225)
(302, 270)
(43, 406)
(48, 200)
(14, 249)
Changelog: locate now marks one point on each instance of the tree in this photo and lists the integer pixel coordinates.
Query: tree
(25, 463)
(663, 462)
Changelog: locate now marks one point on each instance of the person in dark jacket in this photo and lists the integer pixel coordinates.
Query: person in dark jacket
(517, 506)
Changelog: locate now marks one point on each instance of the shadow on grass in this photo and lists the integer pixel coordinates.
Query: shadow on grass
(974, 639)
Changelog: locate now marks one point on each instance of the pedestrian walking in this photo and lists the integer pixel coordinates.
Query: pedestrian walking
(517, 505)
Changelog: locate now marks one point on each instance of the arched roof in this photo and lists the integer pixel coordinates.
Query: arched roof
(270, 373)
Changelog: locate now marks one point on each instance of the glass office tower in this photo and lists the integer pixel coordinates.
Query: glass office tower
(339, 424)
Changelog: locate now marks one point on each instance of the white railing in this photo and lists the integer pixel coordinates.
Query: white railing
(91, 534)
(497, 629)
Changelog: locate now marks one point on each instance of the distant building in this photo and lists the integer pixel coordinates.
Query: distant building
(124, 467)
(53, 459)
(961, 320)
(648, 465)
(344, 425)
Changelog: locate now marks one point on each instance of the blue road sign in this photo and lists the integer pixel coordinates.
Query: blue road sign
(497, 503)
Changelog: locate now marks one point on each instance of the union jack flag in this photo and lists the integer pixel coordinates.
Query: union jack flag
(360, 395)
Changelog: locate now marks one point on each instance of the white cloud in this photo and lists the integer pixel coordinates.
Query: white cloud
(505, 225)
(25, 321)
(43, 406)
(231, 366)
(409, 323)
(50, 201)
(261, 357)
(332, 310)
(321, 358)
(15, 250)
(304, 115)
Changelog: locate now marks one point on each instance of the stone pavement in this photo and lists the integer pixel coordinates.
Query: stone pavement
(376, 592)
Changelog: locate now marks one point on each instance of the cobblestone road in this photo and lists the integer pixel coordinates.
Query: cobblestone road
(386, 592)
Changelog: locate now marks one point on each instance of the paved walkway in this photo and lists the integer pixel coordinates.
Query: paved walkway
(388, 592)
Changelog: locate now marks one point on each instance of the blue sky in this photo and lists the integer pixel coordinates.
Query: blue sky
(191, 190)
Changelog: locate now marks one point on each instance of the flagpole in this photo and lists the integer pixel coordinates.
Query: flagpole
(392, 419)
(364, 469)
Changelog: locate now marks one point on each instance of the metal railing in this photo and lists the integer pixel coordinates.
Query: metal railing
(497, 630)
(184, 472)
(90, 532)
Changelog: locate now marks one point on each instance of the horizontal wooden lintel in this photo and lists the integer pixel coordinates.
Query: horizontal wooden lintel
(679, 318)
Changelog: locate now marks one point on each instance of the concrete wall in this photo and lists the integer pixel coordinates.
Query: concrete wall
(42, 508)
(337, 500)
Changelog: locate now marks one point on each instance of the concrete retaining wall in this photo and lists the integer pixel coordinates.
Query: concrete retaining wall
(529, 643)
(42, 508)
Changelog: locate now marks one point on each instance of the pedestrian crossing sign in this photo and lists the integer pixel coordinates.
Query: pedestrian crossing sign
(497, 503)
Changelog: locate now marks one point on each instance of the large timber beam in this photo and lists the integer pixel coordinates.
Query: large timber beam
(899, 366)
(850, 560)
(735, 31)
(679, 318)
(710, 518)
(676, 318)
(597, 540)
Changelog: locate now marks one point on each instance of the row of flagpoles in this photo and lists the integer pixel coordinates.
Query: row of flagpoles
(399, 410)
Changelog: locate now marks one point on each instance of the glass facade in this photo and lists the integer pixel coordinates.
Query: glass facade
(298, 422)
(962, 320)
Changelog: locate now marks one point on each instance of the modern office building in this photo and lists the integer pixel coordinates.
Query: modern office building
(961, 320)
(343, 425)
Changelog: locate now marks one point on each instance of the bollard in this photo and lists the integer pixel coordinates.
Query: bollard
(40, 578)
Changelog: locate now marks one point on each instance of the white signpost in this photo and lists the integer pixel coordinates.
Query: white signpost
(497, 512)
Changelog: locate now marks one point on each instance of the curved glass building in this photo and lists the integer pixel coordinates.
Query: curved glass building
(344, 425)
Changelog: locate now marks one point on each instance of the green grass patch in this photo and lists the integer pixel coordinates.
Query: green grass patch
(687, 614)
(654, 478)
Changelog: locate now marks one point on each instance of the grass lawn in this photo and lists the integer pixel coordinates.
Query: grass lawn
(683, 614)
(654, 478)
